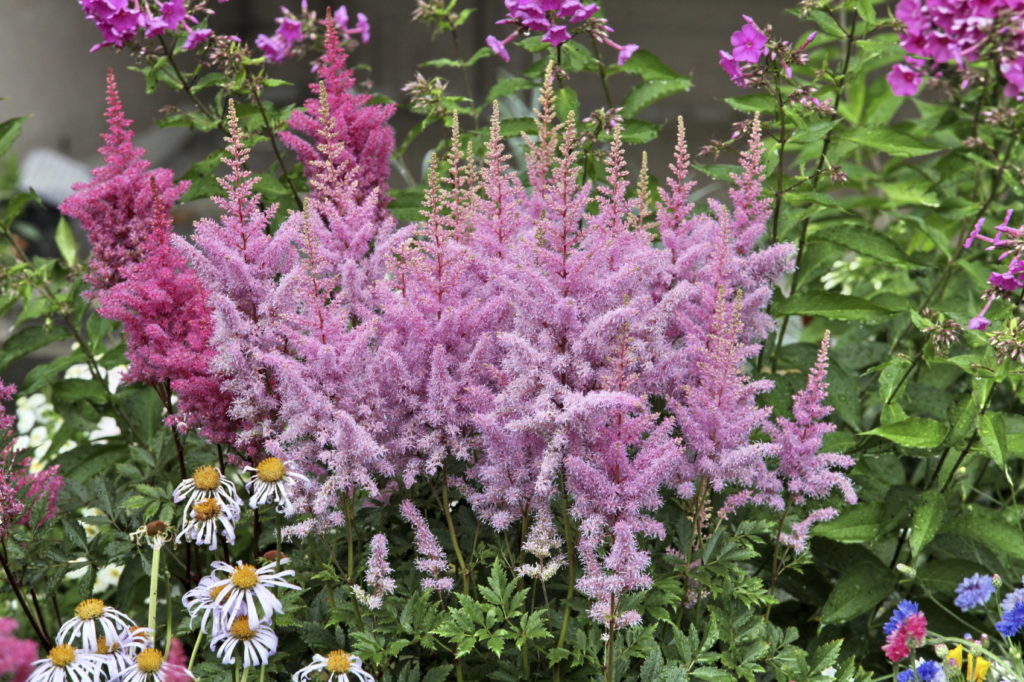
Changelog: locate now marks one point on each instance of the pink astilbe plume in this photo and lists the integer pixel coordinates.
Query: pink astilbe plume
(806, 472)
(432, 560)
(141, 280)
(366, 137)
(16, 655)
(378, 575)
(26, 499)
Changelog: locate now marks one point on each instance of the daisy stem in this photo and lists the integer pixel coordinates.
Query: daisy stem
(195, 650)
(154, 578)
(245, 674)
(170, 630)
(263, 673)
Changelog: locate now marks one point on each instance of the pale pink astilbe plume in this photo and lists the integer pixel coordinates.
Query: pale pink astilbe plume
(806, 472)
(432, 560)
(239, 263)
(26, 499)
(378, 575)
(614, 567)
(116, 208)
(362, 128)
(718, 413)
(16, 655)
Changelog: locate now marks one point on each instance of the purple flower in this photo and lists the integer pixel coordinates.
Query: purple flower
(1005, 281)
(196, 38)
(979, 322)
(289, 29)
(625, 52)
(498, 46)
(732, 68)
(903, 610)
(903, 80)
(748, 42)
(362, 27)
(274, 48)
(1012, 611)
(929, 671)
(556, 35)
(974, 591)
(553, 19)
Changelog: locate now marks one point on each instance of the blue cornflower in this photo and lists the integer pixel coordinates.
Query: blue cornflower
(929, 671)
(974, 591)
(1013, 613)
(902, 611)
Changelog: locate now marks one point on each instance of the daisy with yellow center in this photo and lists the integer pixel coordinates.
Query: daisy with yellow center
(272, 481)
(207, 482)
(116, 655)
(244, 589)
(200, 601)
(339, 666)
(149, 665)
(258, 642)
(65, 663)
(94, 619)
(205, 516)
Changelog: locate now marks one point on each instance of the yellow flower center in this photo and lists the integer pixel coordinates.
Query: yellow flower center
(90, 609)
(62, 655)
(206, 478)
(215, 591)
(150, 660)
(102, 648)
(207, 509)
(245, 577)
(270, 470)
(338, 661)
(240, 629)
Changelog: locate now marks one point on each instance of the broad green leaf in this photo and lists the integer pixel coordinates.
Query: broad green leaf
(826, 23)
(884, 139)
(859, 589)
(857, 524)
(648, 66)
(9, 131)
(913, 432)
(506, 87)
(753, 103)
(864, 241)
(830, 305)
(992, 429)
(65, 239)
(649, 92)
(988, 529)
(635, 131)
(29, 339)
(928, 513)
(908, 194)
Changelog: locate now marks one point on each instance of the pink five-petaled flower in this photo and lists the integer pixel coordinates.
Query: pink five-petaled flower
(748, 43)
(904, 80)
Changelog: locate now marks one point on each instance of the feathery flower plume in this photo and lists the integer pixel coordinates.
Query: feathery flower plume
(432, 560)
(378, 575)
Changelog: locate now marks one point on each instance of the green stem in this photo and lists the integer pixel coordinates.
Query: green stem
(195, 650)
(154, 578)
(245, 674)
(273, 142)
(446, 505)
(170, 630)
(570, 545)
(350, 560)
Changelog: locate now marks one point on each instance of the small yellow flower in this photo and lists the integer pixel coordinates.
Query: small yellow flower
(977, 667)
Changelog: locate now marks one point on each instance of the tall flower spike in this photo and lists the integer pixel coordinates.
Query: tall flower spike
(432, 560)
(378, 575)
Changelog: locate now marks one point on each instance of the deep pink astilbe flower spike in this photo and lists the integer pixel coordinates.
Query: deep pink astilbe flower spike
(363, 129)
(806, 472)
(16, 655)
(26, 499)
(432, 560)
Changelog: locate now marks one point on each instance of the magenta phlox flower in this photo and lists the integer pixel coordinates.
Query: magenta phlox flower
(361, 28)
(748, 43)
(904, 80)
(119, 21)
(554, 20)
(1009, 241)
(196, 38)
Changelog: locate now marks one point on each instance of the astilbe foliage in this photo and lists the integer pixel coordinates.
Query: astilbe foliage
(140, 279)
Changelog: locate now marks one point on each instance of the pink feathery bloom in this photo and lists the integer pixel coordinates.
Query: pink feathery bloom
(808, 473)
(362, 128)
(432, 560)
(378, 573)
(177, 663)
(16, 655)
(909, 634)
(26, 499)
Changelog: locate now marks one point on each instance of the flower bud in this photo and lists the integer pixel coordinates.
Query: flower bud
(273, 555)
(997, 580)
(908, 571)
(941, 650)
(154, 528)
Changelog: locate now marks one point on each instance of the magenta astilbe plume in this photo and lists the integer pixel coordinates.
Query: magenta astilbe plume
(16, 655)
(806, 472)
(26, 499)
(378, 574)
(432, 560)
(363, 129)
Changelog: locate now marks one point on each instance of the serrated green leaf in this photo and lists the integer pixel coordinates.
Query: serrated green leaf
(885, 139)
(753, 103)
(635, 131)
(913, 432)
(28, 339)
(992, 430)
(506, 87)
(864, 241)
(859, 589)
(646, 65)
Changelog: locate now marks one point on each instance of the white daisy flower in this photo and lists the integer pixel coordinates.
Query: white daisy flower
(272, 481)
(200, 600)
(116, 656)
(65, 663)
(149, 665)
(249, 587)
(206, 482)
(258, 643)
(94, 619)
(204, 516)
(338, 664)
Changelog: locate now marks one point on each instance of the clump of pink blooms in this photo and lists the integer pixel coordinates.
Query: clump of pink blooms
(755, 51)
(26, 498)
(557, 21)
(293, 29)
(16, 655)
(509, 343)
(905, 630)
(1010, 240)
(952, 34)
(119, 21)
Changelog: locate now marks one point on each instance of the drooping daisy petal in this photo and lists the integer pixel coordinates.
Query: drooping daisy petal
(272, 481)
(339, 666)
(206, 515)
(149, 665)
(65, 663)
(206, 482)
(94, 619)
(258, 642)
(248, 587)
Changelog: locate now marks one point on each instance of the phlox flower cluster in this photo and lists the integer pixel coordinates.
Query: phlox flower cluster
(27, 498)
(1010, 242)
(904, 631)
(951, 35)
(293, 29)
(119, 21)
(16, 655)
(554, 20)
(750, 45)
